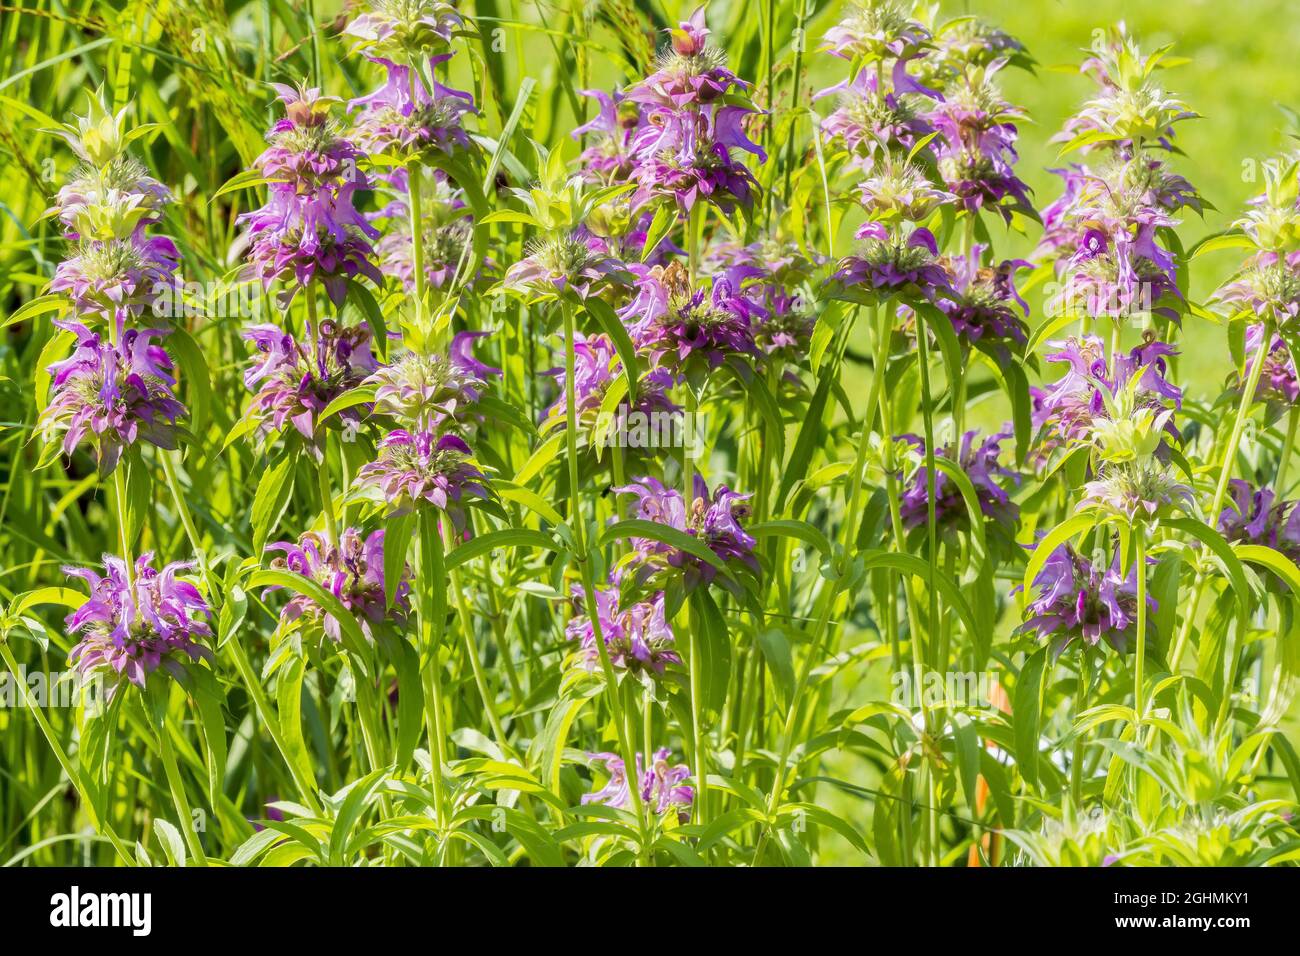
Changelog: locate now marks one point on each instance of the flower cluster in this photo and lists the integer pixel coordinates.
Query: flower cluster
(352, 571)
(295, 381)
(409, 119)
(415, 467)
(446, 229)
(980, 463)
(982, 302)
(661, 787)
(895, 263)
(429, 390)
(1256, 516)
(137, 620)
(110, 396)
(596, 366)
(309, 230)
(714, 521)
(1078, 598)
(637, 636)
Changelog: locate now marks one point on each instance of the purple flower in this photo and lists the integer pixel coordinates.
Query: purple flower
(678, 324)
(447, 231)
(768, 270)
(596, 366)
(1068, 409)
(118, 278)
(980, 465)
(112, 396)
(895, 263)
(877, 30)
(110, 202)
(1269, 283)
(608, 158)
(353, 572)
(982, 307)
(1278, 380)
(692, 117)
(130, 628)
(309, 230)
(405, 28)
(404, 118)
(661, 786)
(1255, 516)
(714, 521)
(295, 382)
(1077, 598)
(422, 467)
(638, 637)
(577, 262)
(976, 149)
(867, 116)
(426, 390)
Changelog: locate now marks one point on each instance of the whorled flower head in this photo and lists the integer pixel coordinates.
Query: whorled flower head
(608, 158)
(1070, 409)
(404, 29)
(1079, 599)
(1136, 491)
(1256, 516)
(969, 41)
(353, 572)
(770, 271)
(895, 262)
(692, 117)
(661, 786)
(575, 262)
(877, 30)
(715, 521)
(1268, 286)
(596, 366)
(404, 118)
(1279, 382)
(309, 229)
(424, 390)
(111, 202)
(984, 302)
(980, 464)
(976, 145)
(870, 118)
(894, 189)
(294, 382)
(118, 279)
(421, 467)
(679, 324)
(111, 396)
(637, 637)
(135, 623)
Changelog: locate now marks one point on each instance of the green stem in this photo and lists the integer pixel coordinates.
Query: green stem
(1140, 558)
(433, 598)
(177, 787)
(415, 201)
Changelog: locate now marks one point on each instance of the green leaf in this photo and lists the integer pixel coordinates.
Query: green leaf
(272, 497)
(1026, 713)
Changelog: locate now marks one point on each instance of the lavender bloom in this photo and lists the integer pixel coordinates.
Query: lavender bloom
(1078, 599)
(976, 149)
(422, 467)
(980, 465)
(131, 629)
(122, 192)
(768, 269)
(678, 324)
(894, 189)
(596, 366)
(638, 637)
(427, 390)
(404, 118)
(1069, 409)
(118, 278)
(1136, 492)
(981, 307)
(715, 521)
(577, 262)
(1255, 516)
(691, 119)
(877, 30)
(1279, 382)
(609, 158)
(895, 263)
(295, 382)
(400, 29)
(112, 396)
(353, 572)
(1268, 284)
(868, 116)
(661, 786)
(309, 230)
